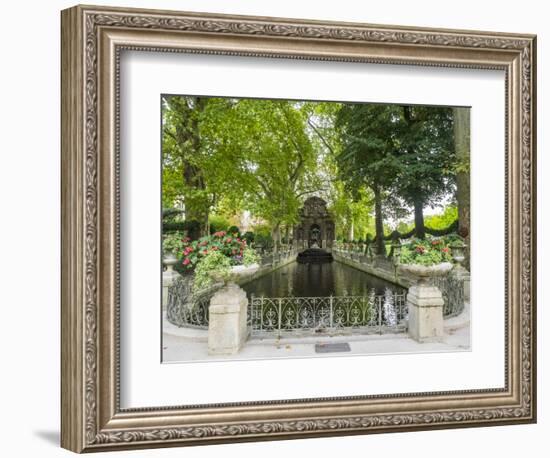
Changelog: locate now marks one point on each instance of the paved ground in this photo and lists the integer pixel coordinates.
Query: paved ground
(193, 345)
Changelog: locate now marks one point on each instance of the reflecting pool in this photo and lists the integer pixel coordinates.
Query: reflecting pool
(317, 279)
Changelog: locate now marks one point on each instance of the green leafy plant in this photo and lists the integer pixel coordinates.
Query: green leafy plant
(250, 257)
(228, 245)
(454, 240)
(218, 223)
(425, 252)
(174, 243)
(213, 263)
(234, 230)
(249, 237)
(262, 237)
(189, 228)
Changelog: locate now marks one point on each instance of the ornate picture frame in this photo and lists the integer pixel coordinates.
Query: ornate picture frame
(92, 40)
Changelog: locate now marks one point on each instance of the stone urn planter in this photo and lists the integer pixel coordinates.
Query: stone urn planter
(425, 302)
(169, 276)
(236, 273)
(423, 273)
(169, 260)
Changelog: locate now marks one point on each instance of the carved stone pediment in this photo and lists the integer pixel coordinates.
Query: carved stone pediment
(314, 207)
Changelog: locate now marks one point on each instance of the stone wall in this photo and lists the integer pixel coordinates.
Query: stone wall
(379, 267)
(270, 263)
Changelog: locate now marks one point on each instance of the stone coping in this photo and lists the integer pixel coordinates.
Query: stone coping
(399, 279)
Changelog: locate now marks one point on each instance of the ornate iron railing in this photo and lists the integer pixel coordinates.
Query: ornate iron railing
(452, 290)
(185, 308)
(282, 316)
(302, 315)
(296, 315)
(451, 286)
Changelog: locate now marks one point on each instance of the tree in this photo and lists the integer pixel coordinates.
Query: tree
(444, 219)
(353, 216)
(424, 158)
(367, 135)
(261, 155)
(462, 146)
(182, 117)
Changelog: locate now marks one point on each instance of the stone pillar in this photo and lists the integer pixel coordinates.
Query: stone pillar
(462, 274)
(467, 288)
(227, 328)
(169, 276)
(425, 304)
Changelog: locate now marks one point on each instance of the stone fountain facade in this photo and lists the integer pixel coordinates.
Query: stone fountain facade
(316, 227)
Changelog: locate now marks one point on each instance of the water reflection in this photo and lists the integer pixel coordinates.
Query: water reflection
(303, 280)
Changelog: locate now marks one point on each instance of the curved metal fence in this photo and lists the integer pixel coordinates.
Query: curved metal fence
(285, 316)
(452, 290)
(382, 313)
(184, 308)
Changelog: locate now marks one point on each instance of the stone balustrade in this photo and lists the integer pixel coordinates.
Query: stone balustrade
(429, 304)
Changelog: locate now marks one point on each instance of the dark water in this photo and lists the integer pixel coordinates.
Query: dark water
(315, 280)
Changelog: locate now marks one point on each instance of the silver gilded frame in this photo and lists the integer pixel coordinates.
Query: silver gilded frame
(92, 40)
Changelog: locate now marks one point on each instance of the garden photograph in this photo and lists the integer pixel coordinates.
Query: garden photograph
(298, 228)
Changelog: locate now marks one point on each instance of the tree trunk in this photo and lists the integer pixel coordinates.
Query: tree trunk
(462, 146)
(276, 236)
(287, 232)
(379, 223)
(419, 227)
(351, 233)
(196, 211)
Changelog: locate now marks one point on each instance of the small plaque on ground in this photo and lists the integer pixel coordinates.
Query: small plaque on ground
(332, 347)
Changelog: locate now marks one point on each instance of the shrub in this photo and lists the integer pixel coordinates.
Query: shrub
(174, 243)
(218, 223)
(425, 252)
(227, 244)
(262, 236)
(249, 237)
(190, 228)
(265, 241)
(217, 261)
(453, 239)
(212, 262)
(234, 230)
(171, 214)
(250, 256)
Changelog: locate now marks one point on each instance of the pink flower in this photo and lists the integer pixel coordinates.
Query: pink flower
(186, 261)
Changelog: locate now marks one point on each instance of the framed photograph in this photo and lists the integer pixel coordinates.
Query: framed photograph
(278, 228)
